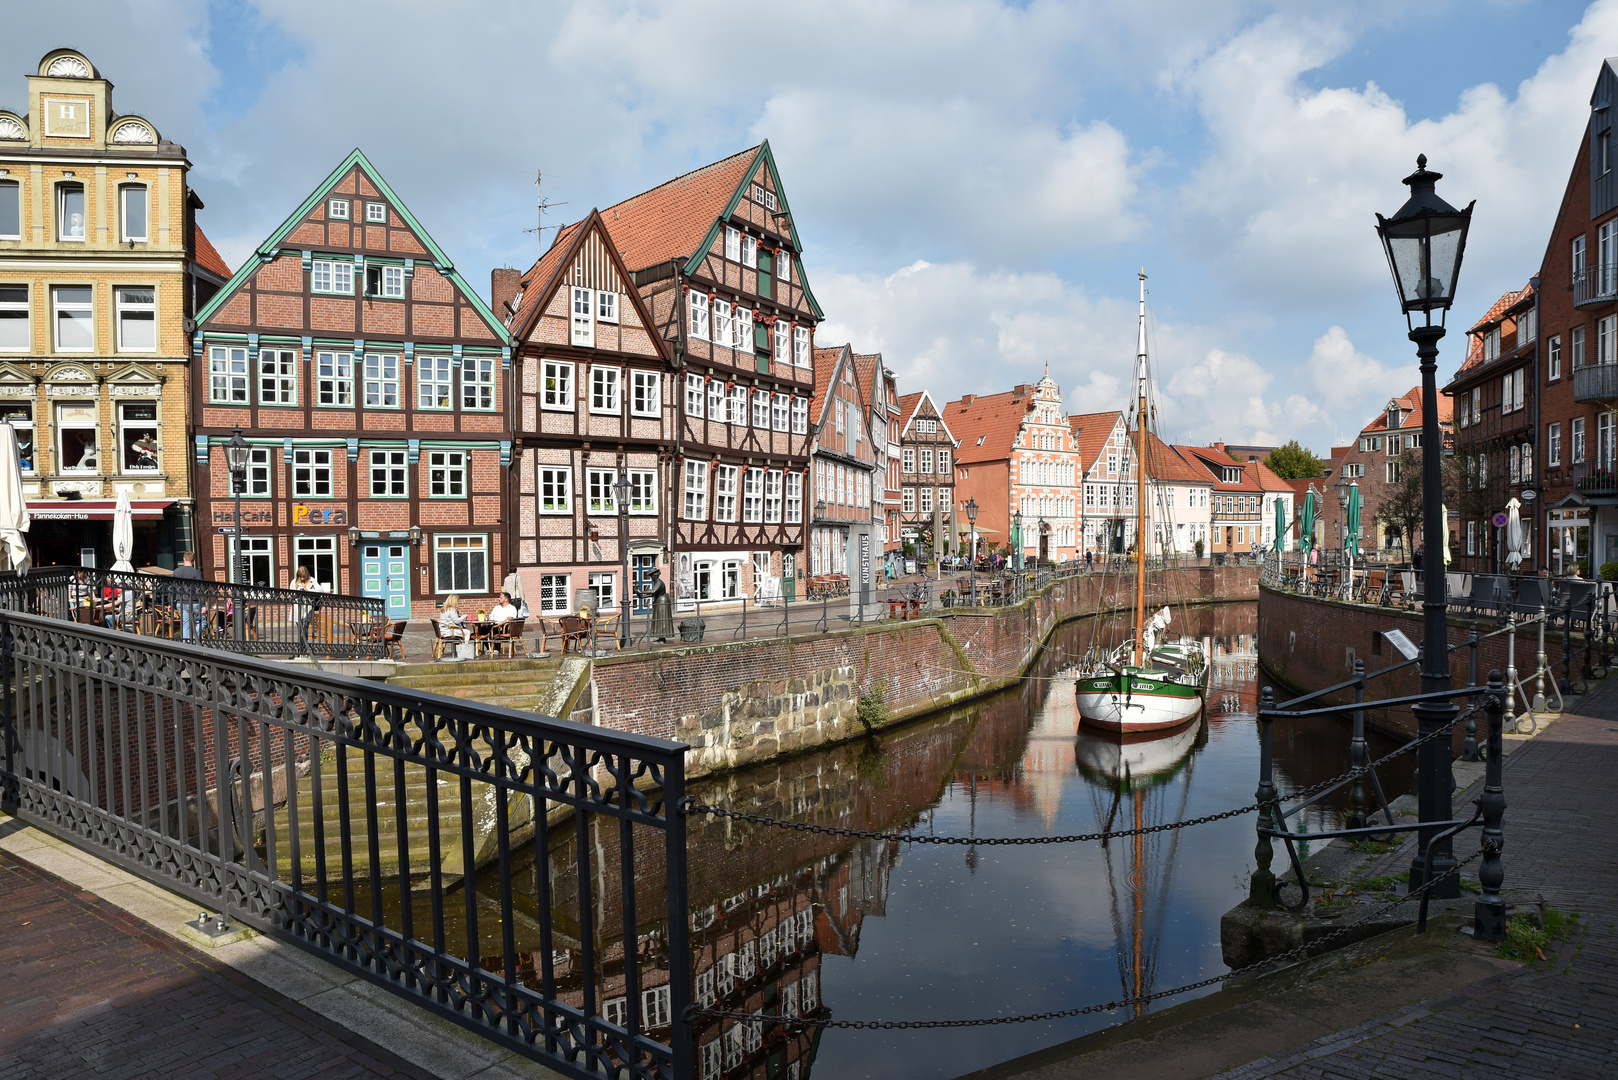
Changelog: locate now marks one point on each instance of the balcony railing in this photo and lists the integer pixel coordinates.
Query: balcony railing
(1595, 382)
(1595, 285)
(1590, 479)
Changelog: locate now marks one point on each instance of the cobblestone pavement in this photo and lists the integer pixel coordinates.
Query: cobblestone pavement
(1557, 1019)
(90, 990)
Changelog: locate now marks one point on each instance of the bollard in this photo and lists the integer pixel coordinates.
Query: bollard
(1469, 748)
(1539, 663)
(1489, 918)
(1261, 892)
(1359, 752)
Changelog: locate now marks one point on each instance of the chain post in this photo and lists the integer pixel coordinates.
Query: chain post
(1539, 666)
(1469, 748)
(1489, 918)
(1261, 892)
(1359, 752)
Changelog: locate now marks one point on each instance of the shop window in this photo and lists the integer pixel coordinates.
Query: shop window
(319, 554)
(137, 435)
(20, 415)
(256, 551)
(462, 564)
(76, 439)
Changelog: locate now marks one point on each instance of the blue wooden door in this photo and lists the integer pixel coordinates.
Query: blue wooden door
(383, 574)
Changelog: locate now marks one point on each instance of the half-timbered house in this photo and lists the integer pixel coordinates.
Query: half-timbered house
(595, 404)
(715, 253)
(372, 383)
(842, 536)
(926, 473)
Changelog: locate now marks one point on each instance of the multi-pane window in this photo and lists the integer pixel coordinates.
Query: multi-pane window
(724, 493)
(277, 377)
(137, 436)
(584, 327)
(644, 396)
(604, 389)
(761, 409)
(744, 329)
(753, 496)
(136, 307)
(462, 564)
(800, 346)
(555, 491)
(70, 212)
(695, 387)
(722, 328)
(15, 326)
(338, 209)
(737, 413)
(331, 276)
(1575, 347)
(381, 380)
(910, 500)
(1553, 444)
(1576, 440)
(477, 382)
(554, 594)
(557, 377)
(794, 497)
(642, 491)
(319, 554)
(598, 489)
(772, 496)
(926, 494)
(783, 331)
(908, 458)
(943, 463)
(75, 318)
(259, 472)
(227, 373)
(699, 316)
(926, 460)
(376, 212)
(435, 383)
(1553, 357)
(1576, 256)
(749, 251)
(606, 306)
(388, 474)
(334, 378)
(716, 400)
(780, 410)
(446, 473)
(800, 416)
(733, 243)
(783, 265)
(696, 490)
(311, 473)
(604, 585)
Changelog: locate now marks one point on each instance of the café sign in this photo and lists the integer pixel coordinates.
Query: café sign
(318, 515)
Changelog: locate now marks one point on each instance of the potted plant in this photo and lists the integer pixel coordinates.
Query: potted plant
(948, 597)
(691, 631)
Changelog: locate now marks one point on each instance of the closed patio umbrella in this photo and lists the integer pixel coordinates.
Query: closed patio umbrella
(1352, 541)
(1306, 534)
(1280, 525)
(123, 534)
(13, 506)
(1444, 515)
(1514, 534)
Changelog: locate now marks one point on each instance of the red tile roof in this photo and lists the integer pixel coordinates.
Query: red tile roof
(208, 257)
(907, 409)
(1495, 314)
(986, 426)
(826, 368)
(1410, 404)
(1090, 434)
(866, 366)
(671, 220)
(539, 276)
(1166, 464)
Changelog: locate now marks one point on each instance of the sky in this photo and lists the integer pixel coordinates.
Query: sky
(976, 184)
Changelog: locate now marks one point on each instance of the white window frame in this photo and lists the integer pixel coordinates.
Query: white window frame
(924, 498)
(376, 213)
(800, 416)
(696, 389)
(337, 209)
(695, 491)
(642, 492)
(332, 277)
(761, 409)
(910, 500)
(582, 323)
(604, 583)
(473, 545)
(699, 316)
(1576, 440)
(321, 552)
(555, 490)
(393, 282)
(800, 346)
(555, 594)
(606, 306)
(62, 192)
(717, 409)
(724, 327)
(772, 497)
(606, 390)
(93, 426)
(780, 409)
(59, 309)
(260, 472)
(435, 383)
(23, 322)
(312, 469)
(753, 497)
(783, 265)
(382, 381)
(228, 374)
(645, 393)
(1553, 354)
(334, 379)
(124, 424)
(142, 196)
(783, 336)
(724, 492)
(794, 498)
(390, 470)
(278, 377)
(599, 497)
(556, 385)
(943, 463)
(744, 329)
(736, 406)
(446, 474)
(733, 243)
(750, 251)
(1553, 444)
(126, 310)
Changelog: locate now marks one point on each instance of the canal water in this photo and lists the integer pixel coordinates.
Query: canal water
(840, 929)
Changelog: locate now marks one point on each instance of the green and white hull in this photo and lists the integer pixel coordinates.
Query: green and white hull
(1137, 699)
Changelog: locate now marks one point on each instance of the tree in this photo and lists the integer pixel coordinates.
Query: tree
(1403, 504)
(1292, 462)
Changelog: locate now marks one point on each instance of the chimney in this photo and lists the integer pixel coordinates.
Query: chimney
(967, 399)
(504, 284)
(1020, 389)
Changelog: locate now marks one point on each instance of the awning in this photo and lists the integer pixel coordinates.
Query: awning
(94, 509)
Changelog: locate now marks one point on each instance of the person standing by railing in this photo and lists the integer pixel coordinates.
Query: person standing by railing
(188, 597)
(304, 581)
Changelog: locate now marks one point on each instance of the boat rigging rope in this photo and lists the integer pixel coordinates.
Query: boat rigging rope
(1296, 953)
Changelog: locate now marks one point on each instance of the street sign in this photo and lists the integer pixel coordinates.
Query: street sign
(1500, 520)
(1397, 639)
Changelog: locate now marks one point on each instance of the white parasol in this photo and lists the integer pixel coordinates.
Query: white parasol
(1444, 513)
(13, 506)
(123, 534)
(1514, 534)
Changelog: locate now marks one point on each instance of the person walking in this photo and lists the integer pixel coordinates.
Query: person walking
(304, 611)
(189, 597)
(512, 587)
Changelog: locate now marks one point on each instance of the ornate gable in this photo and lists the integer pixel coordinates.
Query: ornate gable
(135, 380)
(17, 382)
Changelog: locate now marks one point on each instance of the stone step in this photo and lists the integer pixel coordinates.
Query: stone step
(482, 667)
(447, 682)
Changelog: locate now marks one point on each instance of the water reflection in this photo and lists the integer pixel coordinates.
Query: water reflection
(787, 923)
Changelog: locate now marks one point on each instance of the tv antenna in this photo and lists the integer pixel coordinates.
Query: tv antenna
(539, 225)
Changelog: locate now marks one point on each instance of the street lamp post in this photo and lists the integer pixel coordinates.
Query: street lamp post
(1016, 530)
(237, 452)
(1342, 534)
(620, 491)
(1424, 243)
(972, 559)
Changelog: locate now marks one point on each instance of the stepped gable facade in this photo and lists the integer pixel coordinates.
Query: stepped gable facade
(716, 256)
(374, 386)
(594, 403)
(927, 506)
(101, 266)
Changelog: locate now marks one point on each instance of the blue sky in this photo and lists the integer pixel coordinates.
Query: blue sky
(976, 183)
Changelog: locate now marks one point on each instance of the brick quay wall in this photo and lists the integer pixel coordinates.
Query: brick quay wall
(1306, 643)
(744, 702)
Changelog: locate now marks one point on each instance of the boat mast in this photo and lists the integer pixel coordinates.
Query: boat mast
(1140, 482)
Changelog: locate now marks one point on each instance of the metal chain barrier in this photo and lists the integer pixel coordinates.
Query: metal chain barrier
(1295, 953)
(689, 805)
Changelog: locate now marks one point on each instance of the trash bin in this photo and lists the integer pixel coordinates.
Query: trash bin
(691, 631)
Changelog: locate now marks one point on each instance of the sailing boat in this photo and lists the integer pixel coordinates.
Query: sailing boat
(1145, 684)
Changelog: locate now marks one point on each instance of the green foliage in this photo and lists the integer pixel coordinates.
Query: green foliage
(1609, 571)
(1292, 461)
(1526, 942)
(1372, 847)
(1199, 549)
(873, 706)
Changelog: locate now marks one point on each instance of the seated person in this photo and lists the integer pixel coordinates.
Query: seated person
(504, 611)
(451, 623)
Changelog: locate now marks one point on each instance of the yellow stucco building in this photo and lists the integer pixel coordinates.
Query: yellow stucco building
(101, 268)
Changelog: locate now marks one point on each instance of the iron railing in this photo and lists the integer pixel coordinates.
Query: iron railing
(1595, 382)
(274, 622)
(1595, 285)
(478, 861)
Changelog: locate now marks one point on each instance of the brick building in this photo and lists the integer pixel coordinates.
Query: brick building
(877, 385)
(1494, 399)
(715, 253)
(845, 467)
(1243, 494)
(593, 402)
(1376, 461)
(893, 489)
(372, 383)
(926, 473)
(1016, 454)
(101, 267)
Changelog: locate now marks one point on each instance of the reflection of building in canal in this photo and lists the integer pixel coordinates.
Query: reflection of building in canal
(1233, 673)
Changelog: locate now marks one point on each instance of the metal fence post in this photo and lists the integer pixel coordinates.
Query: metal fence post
(1566, 685)
(1469, 748)
(1359, 752)
(1539, 666)
(681, 1045)
(1261, 890)
(1489, 917)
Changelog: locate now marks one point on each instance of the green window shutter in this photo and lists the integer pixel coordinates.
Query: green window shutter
(761, 337)
(766, 274)
(763, 363)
